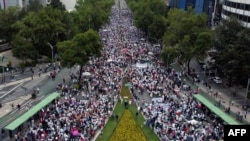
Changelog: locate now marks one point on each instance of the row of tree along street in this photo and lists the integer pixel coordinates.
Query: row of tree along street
(30, 30)
(184, 35)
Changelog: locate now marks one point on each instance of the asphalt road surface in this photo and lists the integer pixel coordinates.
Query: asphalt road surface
(47, 86)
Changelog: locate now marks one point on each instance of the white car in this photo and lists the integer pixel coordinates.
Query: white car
(217, 80)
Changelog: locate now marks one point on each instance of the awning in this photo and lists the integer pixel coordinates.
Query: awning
(23, 118)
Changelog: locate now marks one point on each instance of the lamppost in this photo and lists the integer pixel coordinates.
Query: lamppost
(89, 23)
(245, 101)
(205, 69)
(52, 52)
(213, 12)
(3, 74)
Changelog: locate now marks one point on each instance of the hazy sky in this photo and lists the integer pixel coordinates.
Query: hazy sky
(69, 4)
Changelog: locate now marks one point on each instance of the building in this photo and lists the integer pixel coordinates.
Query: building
(211, 7)
(19, 3)
(2, 4)
(237, 8)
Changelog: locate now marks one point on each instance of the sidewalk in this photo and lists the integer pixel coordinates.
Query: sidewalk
(8, 114)
(222, 95)
(225, 101)
(21, 81)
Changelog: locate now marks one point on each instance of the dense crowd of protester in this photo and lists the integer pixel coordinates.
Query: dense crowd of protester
(80, 114)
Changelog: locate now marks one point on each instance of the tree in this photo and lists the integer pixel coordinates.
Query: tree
(41, 27)
(23, 49)
(57, 4)
(188, 35)
(226, 33)
(92, 14)
(149, 17)
(7, 18)
(232, 42)
(157, 28)
(34, 5)
(80, 49)
(144, 20)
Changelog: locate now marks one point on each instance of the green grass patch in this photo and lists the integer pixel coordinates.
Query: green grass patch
(112, 123)
(125, 90)
(148, 132)
(128, 129)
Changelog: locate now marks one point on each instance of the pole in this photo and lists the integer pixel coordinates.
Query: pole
(245, 101)
(214, 10)
(52, 54)
(3, 74)
(205, 67)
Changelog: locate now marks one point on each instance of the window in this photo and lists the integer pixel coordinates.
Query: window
(238, 5)
(247, 7)
(233, 5)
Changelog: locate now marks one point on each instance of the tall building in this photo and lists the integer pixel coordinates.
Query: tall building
(2, 4)
(238, 8)
(211, 7)
(19, 3)
(9, 3)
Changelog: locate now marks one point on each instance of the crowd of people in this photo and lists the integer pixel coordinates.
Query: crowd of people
(176, 117)
(80, 114)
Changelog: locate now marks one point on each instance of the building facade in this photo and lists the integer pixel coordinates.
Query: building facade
(211, 7)
(2, 4)
(237, 8)
(19, 3)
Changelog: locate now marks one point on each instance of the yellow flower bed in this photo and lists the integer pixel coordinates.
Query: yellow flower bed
(127, 129)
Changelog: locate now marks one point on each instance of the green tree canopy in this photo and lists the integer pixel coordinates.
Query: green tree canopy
(92, 14)
(7, 18)
(232, 42)
(23, 48)
(57, 4)
(80, 49)
(34, 5)
(188, 35)
(149, 16)
(41, 28)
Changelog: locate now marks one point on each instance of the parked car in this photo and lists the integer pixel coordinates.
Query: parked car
(217, 80)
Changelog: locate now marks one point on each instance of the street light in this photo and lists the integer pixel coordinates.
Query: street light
(205, 69)
(52, 52)
(3, 74)
(245, 101)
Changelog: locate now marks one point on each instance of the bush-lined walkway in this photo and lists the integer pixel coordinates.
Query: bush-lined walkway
(114, 122)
